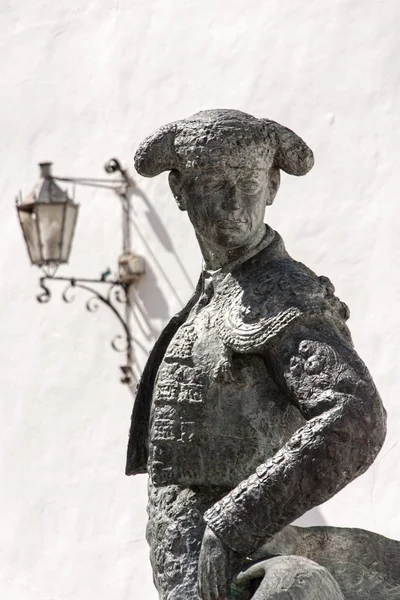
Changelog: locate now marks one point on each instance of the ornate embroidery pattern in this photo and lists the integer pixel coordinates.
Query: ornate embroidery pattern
(245, 337)
(181, 346)
(246, 321)
(249, 317)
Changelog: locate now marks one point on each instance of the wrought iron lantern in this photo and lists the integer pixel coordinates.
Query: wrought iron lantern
(48, 218)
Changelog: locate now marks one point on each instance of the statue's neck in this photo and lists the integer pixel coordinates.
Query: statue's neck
(216, 258)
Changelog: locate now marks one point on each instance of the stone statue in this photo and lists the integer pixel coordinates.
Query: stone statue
(253, 407)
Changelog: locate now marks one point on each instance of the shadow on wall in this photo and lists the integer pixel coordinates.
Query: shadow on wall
(153, 302)
(148, 301)
(164, 237)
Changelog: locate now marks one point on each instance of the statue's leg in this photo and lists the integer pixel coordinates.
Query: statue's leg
(291, 578)
(174, 533)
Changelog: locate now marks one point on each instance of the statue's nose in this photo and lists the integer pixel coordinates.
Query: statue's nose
(230, 202)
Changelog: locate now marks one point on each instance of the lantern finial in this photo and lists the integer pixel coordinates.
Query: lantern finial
(45, 170)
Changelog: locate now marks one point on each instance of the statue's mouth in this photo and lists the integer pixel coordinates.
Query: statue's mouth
(231, 223)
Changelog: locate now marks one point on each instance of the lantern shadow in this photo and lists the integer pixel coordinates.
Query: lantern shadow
(150, 300)
(165, 239)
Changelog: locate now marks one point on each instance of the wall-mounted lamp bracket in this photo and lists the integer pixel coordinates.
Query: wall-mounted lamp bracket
(117, 294)
(48, 218)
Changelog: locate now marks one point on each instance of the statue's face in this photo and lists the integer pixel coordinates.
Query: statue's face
(226, 205)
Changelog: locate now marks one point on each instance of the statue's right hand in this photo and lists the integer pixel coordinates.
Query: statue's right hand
(215, 568)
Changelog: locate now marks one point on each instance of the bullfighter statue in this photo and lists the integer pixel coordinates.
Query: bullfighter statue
(253, 407)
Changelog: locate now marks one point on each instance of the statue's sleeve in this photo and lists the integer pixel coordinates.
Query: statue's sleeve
(317, 367)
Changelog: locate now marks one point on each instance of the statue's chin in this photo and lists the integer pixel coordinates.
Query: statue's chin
(229, 238)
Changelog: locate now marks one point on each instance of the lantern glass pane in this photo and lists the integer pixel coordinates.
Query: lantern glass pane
(71, 214)
(50, 218)
(29, 228)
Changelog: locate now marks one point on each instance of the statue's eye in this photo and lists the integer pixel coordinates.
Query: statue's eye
(248, 185)
(213, 185)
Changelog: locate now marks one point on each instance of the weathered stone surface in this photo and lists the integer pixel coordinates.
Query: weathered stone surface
(254, 406)
(291, 578)
(366, 565)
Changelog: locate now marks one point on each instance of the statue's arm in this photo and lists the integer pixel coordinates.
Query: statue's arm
(346, 426)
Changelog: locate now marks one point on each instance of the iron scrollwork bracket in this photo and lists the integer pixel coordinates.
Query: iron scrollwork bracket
(117, 294)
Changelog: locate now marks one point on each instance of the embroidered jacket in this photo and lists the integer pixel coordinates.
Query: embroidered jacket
(275, 307)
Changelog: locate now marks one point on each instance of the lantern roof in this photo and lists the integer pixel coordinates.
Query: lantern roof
(46, 190)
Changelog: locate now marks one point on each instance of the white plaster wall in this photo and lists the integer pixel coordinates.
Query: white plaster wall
(83, 81)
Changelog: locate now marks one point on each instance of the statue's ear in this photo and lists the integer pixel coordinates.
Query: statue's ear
(175, 183)
(274, 180)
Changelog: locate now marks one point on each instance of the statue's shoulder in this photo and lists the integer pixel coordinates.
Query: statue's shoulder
(265, 295)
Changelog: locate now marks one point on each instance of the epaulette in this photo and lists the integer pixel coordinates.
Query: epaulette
(258, 303)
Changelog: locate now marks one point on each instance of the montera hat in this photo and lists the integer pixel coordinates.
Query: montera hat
(232, 137)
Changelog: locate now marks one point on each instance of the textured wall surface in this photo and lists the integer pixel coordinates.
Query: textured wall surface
(83, 81)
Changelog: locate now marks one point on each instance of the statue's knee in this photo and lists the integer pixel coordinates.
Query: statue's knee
(299, 577)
